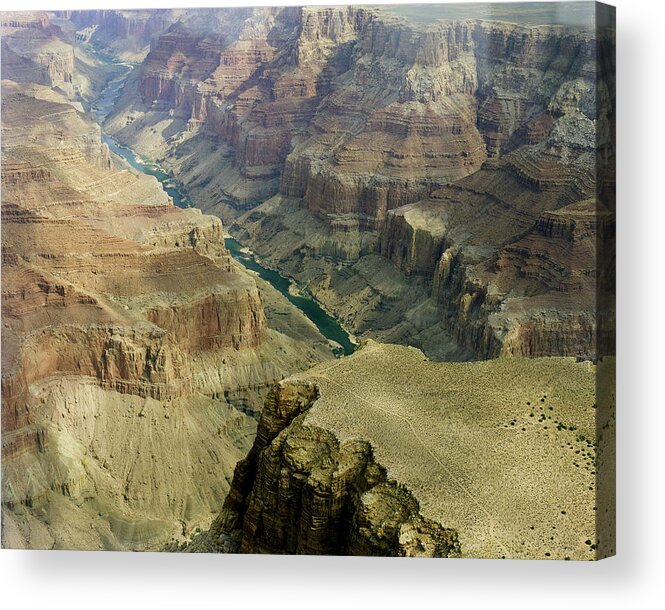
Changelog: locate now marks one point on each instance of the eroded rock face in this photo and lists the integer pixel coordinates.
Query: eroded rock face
(36, 51)
(150, 259)
(510, 255)
(312, 74)
(124, 33)
(437, 147)
(413, 238)
(361, 113)
(301, 490)
(524, 71)
(518, 273)
(128, 337)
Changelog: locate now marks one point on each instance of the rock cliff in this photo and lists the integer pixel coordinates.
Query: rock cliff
(135, 353)
(521, 249)
(358, 133)
(312, 69)
(126, 34)
(36, 51)
(372, 110)
(469, 249)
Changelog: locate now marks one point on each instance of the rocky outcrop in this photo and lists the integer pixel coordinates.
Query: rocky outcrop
(354, 458)
(216, 321)
(413, 238)
(333, 497)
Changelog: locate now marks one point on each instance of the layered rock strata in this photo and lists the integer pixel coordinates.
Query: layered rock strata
(108, 293)
(518, 273)
(133, 347)
(372, 110)
(435, 147)
(36, 51)
(509, 255)
(434, 185)
(126, 34)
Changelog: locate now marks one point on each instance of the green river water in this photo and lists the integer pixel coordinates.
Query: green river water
(328, 326)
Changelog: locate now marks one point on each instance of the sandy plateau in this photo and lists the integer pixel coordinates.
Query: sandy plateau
(497, 450)
(501, 453)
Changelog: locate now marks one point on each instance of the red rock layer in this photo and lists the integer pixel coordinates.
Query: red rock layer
(363, 117)
(102, 276)
(360, 114)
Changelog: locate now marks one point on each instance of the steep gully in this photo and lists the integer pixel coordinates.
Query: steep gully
(327, 325)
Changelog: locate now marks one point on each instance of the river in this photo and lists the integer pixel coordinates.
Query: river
(328, 326)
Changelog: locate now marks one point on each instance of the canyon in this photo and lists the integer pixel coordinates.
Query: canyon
(132, 343)
(443, 189)
(391, 167)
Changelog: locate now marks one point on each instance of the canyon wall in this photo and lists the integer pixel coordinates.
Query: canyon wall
(126, 34)
(88, 363)
(435, 146)
(359, 111)
(36, 51)
(133, 347)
